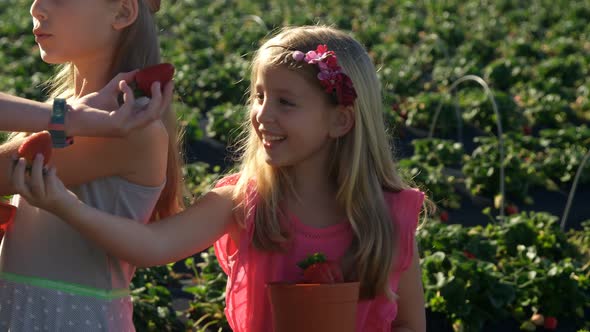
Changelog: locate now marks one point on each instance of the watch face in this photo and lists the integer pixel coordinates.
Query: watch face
(59, 111)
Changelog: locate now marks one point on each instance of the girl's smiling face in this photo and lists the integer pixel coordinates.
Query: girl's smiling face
(291, 117)
(74, 30)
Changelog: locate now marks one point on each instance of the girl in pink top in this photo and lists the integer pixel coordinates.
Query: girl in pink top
(316, 175)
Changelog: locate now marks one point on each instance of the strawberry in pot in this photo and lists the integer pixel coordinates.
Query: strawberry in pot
(317, 269)
(322, 301)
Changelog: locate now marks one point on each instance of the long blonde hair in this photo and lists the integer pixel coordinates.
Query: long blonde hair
(138, 47)
(363, 164)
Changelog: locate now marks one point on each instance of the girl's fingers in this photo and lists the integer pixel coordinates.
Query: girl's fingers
(37, 183)
(116, 81)
(168, 94)
(18, 179)
(128, 97)
(51, 181)
(151, 112)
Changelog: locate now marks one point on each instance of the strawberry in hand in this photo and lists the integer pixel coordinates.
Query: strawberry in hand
(317, 269)
(7, 212)
(36, 143)
(162, 72)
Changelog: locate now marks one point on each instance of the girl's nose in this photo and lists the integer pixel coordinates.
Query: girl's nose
(38, 10)
(265, 114)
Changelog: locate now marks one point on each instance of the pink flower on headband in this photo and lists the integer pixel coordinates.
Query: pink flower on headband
(331, 76)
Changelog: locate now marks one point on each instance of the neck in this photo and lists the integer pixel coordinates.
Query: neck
(312, 182)
(91, 76)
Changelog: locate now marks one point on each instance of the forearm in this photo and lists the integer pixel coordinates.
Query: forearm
(161, 242)
(124, 238)
(23, 115)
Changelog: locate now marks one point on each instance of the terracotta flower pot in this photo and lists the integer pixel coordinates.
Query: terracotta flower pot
(314, 307)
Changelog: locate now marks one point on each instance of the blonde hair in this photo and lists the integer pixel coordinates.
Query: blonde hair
(138, 47)
(363, 164)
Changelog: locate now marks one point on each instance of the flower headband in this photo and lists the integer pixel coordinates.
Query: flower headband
(331, 76)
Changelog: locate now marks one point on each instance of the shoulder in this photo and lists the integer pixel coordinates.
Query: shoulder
(229, 180)
(406, 198)
(155, 134)
(146, 154)
(405, 207)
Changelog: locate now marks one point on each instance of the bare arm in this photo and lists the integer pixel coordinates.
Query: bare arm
(19, 114)
(411, 316)
(136, 157)
(161, 242)
(97, 114)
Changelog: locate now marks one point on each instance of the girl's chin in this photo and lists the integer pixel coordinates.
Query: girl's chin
(52, 60)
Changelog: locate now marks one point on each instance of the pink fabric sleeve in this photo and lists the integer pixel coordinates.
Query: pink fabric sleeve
(405, 208)
(225, 246)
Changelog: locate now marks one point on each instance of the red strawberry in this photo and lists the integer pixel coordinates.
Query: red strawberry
(317, 269)
(7, 212)
(550, 323)
(444, 216)
(469, 255)
(526, 130)
(36, 143)
(511, 209)
(144, 78)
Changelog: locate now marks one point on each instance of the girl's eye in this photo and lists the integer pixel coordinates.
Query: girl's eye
(286, 102)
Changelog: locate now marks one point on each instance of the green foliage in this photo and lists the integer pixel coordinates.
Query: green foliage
(152, 300)
(226, 122)
(199, 177)
(521, 266)
(482, 169)
(208, 288)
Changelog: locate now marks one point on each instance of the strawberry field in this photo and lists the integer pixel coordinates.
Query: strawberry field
(488, 103)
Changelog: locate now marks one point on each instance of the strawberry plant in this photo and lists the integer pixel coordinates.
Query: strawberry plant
(435, 152)
(524, 266)
(226, 121)
(420, 109)
(478, 111)
(206, 308)
(152, 300)
(438, 186)
(482, 166)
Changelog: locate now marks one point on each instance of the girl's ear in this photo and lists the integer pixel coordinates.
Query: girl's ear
(342, 121)
(126, 14)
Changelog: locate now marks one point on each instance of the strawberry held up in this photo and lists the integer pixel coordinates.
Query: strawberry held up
(162, 72)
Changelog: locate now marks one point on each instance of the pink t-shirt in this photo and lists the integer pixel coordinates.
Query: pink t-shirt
(249, 270)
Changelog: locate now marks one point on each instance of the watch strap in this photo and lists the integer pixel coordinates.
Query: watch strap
(57, 124)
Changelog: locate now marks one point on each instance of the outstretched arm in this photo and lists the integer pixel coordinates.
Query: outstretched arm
(97, 114)
(411, 316)
(161, 242)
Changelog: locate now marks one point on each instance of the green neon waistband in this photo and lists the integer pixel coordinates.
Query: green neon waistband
(66, 287)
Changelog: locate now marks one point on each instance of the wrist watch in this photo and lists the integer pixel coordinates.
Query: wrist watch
(57, 124)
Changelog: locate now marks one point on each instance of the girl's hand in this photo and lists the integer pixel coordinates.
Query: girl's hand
(99, 113)
(42, 188)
